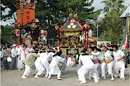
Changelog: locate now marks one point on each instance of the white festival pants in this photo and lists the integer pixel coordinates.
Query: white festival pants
(84, 70)
(119, 66)
(96, 69)
(103, 67)
(40, 71)
(27, 71)
(110, 67)
(58, 74)
(90, 74)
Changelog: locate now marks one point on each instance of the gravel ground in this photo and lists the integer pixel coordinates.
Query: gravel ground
(13, 78)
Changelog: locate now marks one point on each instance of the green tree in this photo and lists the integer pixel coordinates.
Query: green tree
(6, 36)
(51, 12)
(113, 4)
(11, 4)
(112, 25)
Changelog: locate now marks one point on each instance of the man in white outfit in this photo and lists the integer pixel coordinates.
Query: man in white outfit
(28, 50)
(88, 66)
(54, 65)
(102, 61)
(14, 56)
(29, 61)
(119, 62)
(21, 57)
(70, 61)
(96, 54)
(44, 61)
(109, 61)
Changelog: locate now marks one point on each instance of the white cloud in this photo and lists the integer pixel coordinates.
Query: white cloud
(97, 4)
(126, 2)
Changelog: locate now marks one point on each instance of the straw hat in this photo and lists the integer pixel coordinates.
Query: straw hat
(14, 45)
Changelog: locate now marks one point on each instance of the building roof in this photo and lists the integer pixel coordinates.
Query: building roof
(32, 25)
(71, 24)
(126, 11)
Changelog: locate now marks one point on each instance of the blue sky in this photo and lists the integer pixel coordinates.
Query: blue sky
(97, 4)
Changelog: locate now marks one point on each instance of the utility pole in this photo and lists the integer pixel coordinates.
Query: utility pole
(97, 31)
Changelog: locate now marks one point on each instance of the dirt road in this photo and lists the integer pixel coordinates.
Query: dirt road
(13, 78)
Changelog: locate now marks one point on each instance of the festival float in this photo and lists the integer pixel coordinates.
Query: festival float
(73, 36)
(26, 27)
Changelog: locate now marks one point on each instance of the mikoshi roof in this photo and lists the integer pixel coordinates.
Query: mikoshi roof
(126, 11)
(71, 25)
(31, 24)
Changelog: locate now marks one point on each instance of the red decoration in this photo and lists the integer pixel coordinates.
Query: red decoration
(28, 12)
(28, 17)
(27, 21)
(127, 45)
(45, 33)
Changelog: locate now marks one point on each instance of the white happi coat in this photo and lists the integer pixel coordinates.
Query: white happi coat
(88, 66)
(101, 56)
(42, 63)
(96, 55)
(107, 55)
(95, 58)
(22, 55)
(54, 68)
(45, 58)
(38, 65)
(119, 64)
(118, 55)
(86, 60)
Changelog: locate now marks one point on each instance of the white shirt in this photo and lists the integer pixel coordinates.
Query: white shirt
(95, 55)
(86, 60)
(118, 54)
(29, 49)
(107, 55)
(21, 52)
(1, 53)
(101, 56)
(14, 52)
(56, 60)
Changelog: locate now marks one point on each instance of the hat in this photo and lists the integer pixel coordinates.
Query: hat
(14, 45)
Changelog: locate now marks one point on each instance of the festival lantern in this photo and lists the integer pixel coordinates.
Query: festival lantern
(17, 32)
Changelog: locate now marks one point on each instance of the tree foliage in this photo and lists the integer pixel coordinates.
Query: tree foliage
(112, 25)
(6, 35)
(11, 4)
(113, 4)
(51, 12)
